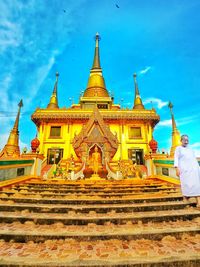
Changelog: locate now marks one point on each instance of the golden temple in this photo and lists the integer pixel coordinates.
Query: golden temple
(119, 134)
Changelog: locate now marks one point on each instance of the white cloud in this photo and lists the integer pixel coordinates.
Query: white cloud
(41, 75)
(196, 148)
(11, 31)
(28, 52)
(145, 70)
(179, 122)
(164, 123)
(187, 120)
(4, 85)
(3, 140)
(196, 145)
(11, 35)
(167, 123)
(158, 102)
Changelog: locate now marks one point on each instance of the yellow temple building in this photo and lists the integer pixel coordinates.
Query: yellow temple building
(119, 134)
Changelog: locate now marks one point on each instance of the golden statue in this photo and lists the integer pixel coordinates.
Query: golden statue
(95, 160)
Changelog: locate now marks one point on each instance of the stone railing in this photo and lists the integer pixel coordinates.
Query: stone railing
(112, 174)
(44, 163)
(78, 174)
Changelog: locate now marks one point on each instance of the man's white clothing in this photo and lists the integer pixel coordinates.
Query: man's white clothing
(185, 160)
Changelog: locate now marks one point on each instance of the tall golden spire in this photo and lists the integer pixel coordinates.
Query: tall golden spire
(96, 85)
(11, 149)
(175, 132)
(54, 99)
(96, 63)
(138, 101)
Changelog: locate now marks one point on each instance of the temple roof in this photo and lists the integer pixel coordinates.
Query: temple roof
(66, 115)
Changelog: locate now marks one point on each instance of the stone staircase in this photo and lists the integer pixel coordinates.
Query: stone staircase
(133, 222)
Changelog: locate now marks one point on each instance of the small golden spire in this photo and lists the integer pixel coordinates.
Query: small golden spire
(54, 99)
(138, 101)
(11, 149)
(96, 62)
(176, 137)
(96, 85)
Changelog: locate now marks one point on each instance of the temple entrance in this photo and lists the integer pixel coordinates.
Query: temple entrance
(95, 132)
(54, 155)
(136, 155)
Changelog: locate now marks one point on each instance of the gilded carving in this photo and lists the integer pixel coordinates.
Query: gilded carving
(95, 131)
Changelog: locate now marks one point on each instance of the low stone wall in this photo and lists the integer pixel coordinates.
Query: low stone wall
(165, 167)
(10, 169)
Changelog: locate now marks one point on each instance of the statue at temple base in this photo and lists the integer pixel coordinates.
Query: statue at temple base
(95, 160)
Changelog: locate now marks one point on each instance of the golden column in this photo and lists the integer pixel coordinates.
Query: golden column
(175, 132)
(11, 149)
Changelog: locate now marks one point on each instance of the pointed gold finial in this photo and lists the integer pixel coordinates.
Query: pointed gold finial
(96, 85)
(54, 99)
(170, 105)
(11, 149)
(138, 101)
(176, 137)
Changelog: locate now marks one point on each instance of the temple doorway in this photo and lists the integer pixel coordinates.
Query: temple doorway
(54, 155)
(136, 155)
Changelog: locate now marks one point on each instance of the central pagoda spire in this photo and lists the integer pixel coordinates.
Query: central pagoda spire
(138, 101)
(96, 85)
(96, 63)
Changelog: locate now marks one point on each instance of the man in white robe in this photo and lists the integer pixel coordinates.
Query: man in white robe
(187, 168)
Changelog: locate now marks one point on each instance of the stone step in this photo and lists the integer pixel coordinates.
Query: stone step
(155, 206)
(133, 181)
(95, 184)
(91, 185)
(92, 200)
(187, 261)
(59, 229)
(102, 190)
(100, 194)
(153, 234)
(112, 217)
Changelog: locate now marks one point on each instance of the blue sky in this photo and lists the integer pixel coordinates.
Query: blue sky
(157, 39)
